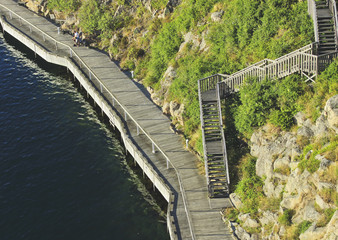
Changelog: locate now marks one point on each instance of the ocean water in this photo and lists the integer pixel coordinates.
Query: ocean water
(63, 174)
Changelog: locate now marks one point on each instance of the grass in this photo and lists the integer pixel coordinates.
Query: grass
(326, 217)
(285, 170)
(330, 175)
(329, 195)
(270, 204)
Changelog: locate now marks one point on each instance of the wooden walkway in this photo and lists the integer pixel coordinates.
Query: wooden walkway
(195, 215)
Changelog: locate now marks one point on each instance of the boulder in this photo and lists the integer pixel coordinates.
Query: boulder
(268, 217)
(324, 163)
(236, 201)
(281, 162)
(242, 234)
(305, 131)
(217, 16)
(320, 128)
(310, 214)
(332, 228)
(312, 233)
(299, 118)
(166, 108)
(321, 203)
(291, 201)
(331, 112)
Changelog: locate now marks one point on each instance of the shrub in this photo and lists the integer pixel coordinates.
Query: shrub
(250, 188)
(285, 218)
(66, 6)
(303, 226)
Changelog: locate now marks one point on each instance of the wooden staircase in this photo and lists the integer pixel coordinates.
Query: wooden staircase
(309, 61)
(326, 29)
(218, 185)
(215, 157)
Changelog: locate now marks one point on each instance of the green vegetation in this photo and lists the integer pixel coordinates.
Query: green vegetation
(326, 217)
(268, 101)
(285, 218)
(66, 6)
(250, 188)
(327, 147)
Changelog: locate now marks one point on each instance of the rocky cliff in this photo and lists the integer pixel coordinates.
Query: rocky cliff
(299, 170)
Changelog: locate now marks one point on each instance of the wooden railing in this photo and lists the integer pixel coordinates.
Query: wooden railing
(325, 60)
(210, 83)
(296, 61)
(64, 48)
(313, 13)
(333, 8)
(224, 149)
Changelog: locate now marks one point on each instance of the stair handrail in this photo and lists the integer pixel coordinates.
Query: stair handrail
(313, 13)
(225, 155)
(202, 127)
(261, 68)
(333, 8)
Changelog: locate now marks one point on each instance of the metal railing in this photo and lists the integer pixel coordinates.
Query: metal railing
(333, 8)
(298, 60)
(102, 87)
(312, 10)
(202, 125)
(224, 149)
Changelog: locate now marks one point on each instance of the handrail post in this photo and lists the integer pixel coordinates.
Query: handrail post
(153, 147)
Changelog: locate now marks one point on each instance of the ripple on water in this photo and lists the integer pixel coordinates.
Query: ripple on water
(63, 174)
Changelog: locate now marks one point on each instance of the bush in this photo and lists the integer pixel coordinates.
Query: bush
(285, 218)
(66, 6)
(257, 99)
(250, 188)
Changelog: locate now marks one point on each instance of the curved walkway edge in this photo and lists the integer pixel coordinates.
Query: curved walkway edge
(145, 131)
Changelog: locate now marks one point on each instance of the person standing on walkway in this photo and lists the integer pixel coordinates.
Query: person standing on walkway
(76, 38)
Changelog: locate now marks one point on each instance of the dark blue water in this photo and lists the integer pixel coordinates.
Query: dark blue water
(63, 174)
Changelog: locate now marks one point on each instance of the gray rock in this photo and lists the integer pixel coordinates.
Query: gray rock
(252, 223)
(170, 73)
(310, 213)
(281, 162)
(331, 112)
(299, 119)
(242, 234)
(268, 217)
(312, 233)
(322, 185)
(324, 163)
(320, 129)
(236, 201)
(321, 203)
(166, 108)
(332, 228)
(305, 131)
(217, 16)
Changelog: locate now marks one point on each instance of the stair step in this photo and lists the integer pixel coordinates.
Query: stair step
(327, 44)
(324, 17)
